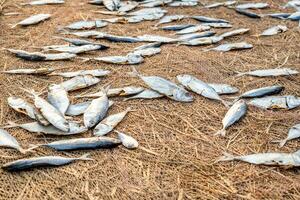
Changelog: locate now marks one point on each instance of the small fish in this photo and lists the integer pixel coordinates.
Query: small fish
(127, 141)
(208, 19)
(176, 27)
(87, 25)
(269, 72)
(36, 127)
(80, 42)
(234, 114)
(150, 45)
(43, 2)
(253, 6)
(295, 16)
(231, 46)
(171, 18)
(7, 140)
(93, 72)
(129, 59)
(193, 29)
(199, 87)
(156, 38)
(109, 123)
(96, 111)
(235, 32)
(38, 71)
(77, 49)
(147, 52)
(32, 20)
(223, 88)
(58, 97)
(247, 13)
(43, 161)
(192, 36)
(294, 133)
(146, 94)
(202, 41)
(279, 15)
(79, 108)
(84, 143)
(260, 92)
(49, 112)
(112, 5)
(276, 102)
(182, 3)
(218, 25)
(37, 56)
(113, 92)
(79, 82)
(165, 87)
(276, 159)
(274, 30)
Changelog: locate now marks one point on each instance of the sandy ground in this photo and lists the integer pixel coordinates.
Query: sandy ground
(178, 151)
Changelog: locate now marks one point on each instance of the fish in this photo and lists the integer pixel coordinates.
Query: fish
(38, 71)
(42, 161)
(202, 41)
(171, 18)
(79, 82)
(80, 42)
(146, 94)
(87, 25)
(147, 52)
(84, 143)
(217, 25)
(87, 34)
(192, 36)
(176, 27)
(32, 20)
(165, 87)
(147, 11)
(43, 2)
(127, 141)
(279, 15)
(116, 38)
(274, 30)
(58, 97)
(215, 5)
(79, 108)
(199, 87)
(182, 3)
(292, 4)
(208, 19)
(269, 72)
(112, 5)
(273, 159)
(96, 111)
(96, 2)
(109, 123)
(233, 115)
(93, 72)
(113, 92)
(293, 133)
(295, 16)
(146, 46)
(35, 127)
(50, 113)
(129, 59)
(193, 29)
(147, 17)
(223, 88)
(77, 49)
(7, 140)
(253, 6)
(260, 92)
(276, 102)
(127, 6)
(234, 32)
(37, 56)
(156, 38)
(247, 13)
(156, 3)
(231, 46)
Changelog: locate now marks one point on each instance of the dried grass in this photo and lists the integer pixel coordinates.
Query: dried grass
(178, 148)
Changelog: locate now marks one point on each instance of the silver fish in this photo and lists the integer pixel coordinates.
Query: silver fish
(294, 133)
(34, 19)
(109, 123)
(295, 16)
(79, 82)
(80, 42)
(146, 94)
(43, 161)
(269, 72)
(276, 102)
(208, 19)
(260, 92)
(127, 141)
(279, 159)
(96, 111)
(37, 56)
(182, 3)
(248, 13)
(130, 59)
(235, 32)
(176, 27)
(79, 108)
(77, 49)
(202, 41)
(140, 18)
(36, 127)
(217, 25)
(223, 88)
(87, 34)
(43, 2)
(171, 18)
(252, 6)
(150, 45)
(274, 30)
(38, 71)
(192, 36)
(231, 46)
(156, 38)
(113, 92)
(84, 143)
(147, 11)
(147, 52)
(165, 87)
(226, 3)
(112, 5)
(116, 38)
(279, 15)
(7, 140)
(193, 29)
(199, 87)
(49, 112)
(87, 25)
(234, 114)
(93, 72)
(58, 97)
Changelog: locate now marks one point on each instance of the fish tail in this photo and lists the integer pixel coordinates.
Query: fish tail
(14, 26)
(83, 59)
(239, 74)
(226, 157)
(221, 132)
(134, 72)
(281, 142)
(11, 124)
(85, 157)
(227, 104)
(31, 148)
(29, 91)
(206, 50)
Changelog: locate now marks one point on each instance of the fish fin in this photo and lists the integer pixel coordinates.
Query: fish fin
(221, 132)
(85, 157)
(226, 157)
(281, 142)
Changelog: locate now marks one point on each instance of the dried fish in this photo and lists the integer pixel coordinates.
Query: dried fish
(96, 2)
(87, 34)
(182, 3)
(43, 161)
(150, 45)
(87, 25)
(176, 27)
(276, 102)
(93, 72)
(79, 109)
(247, 13)
(112, 5)
(208, 19)
(22, 106)
(7, 140)
(79, 82)
(147, 17)
(235, 32)
(202, 41)
(234, 114)
(269, 72)
(253, 6)
(127, 6)
(78, 49)
(226, 3)
(260, 92)
(146, 94)
(193, 29)
(223, 88)
(295, 16)
(38, 71)
(43, 2)
(115, 38)
(127, 141)
(122, 91)
(58, 97)
(147, 11)
(147, 52)
(80, 42)
(156, 3)
(32, 20)
(109, 123)
(156, 38)
(279, 15)
(217, 25)
(129, 59)
(274, 30)
(294, 133)
(171, 18)
(37, 56)
(231, 46)
(192, 36)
